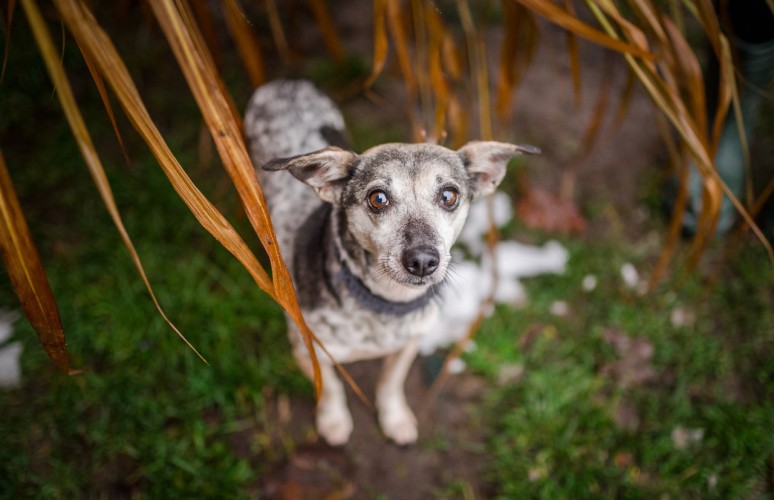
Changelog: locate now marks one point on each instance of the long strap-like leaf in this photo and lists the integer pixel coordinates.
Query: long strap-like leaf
(27, 275)
(85, 144)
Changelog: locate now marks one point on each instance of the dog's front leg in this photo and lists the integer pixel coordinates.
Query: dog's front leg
(334, 422)
(395, 417)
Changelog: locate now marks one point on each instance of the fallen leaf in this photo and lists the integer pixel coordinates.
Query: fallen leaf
(623, 459)
(625, 415)
(634, 366)
(542, 210)
(683, 437)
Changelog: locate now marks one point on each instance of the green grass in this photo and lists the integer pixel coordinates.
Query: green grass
(554, 433)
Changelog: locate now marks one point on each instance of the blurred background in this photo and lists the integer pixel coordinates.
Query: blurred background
(642, 366)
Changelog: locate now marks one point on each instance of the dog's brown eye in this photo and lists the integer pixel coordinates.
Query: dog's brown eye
(378, 200)
(450, 198)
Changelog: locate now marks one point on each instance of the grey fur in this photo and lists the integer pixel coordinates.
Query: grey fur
(349, 259)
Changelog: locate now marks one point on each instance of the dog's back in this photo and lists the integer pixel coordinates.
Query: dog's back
(288, 118)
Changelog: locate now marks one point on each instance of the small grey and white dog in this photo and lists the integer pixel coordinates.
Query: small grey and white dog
(367, 238)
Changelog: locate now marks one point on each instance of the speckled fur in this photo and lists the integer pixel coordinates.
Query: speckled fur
(327, 232)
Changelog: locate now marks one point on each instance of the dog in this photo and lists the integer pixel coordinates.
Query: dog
(367, 238)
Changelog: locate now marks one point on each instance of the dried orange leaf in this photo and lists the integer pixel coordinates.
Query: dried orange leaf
(328, 29)
(92, 39)
(245, 41)
(103, 95)
(85, 144)
(518, 47)
(479, 68)
(277, 31)
(396, 24)
(438, 83)
(380, 41)
(8, 20)
(27, 275)
(559, 16)
(600, 108)
(680, 163)
(574, 55)
(690, 73)
(206, 20)
(651, 20)
(624, 101)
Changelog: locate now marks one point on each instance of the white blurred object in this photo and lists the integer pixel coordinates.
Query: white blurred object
(683, 437)
(463, 297)
(560, 308)
(630, 276)
(589, 282)
(470, 283)
(456, 366)
(523, 261)
(10, 371)
(477, 223)
(682, 317)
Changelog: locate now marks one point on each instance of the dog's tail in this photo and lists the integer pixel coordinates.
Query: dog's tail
(291, 117)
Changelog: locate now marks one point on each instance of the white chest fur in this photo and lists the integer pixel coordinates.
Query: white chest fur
(352, 334)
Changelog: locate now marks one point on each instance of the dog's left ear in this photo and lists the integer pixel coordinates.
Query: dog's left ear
(486, 162)
(323, 170)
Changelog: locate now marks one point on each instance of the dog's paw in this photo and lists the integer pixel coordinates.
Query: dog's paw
(334, 425)
(399, 424)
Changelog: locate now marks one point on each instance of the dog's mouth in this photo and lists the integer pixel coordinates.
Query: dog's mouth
(417, 282)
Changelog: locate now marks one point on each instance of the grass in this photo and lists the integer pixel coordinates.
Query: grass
(145, 413)
(147, 418)
(568, 428)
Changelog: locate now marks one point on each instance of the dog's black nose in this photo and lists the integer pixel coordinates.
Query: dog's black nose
(421, 261)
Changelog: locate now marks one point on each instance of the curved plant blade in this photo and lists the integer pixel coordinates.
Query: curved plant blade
(328, 30)
(397, 29)
(509, 51)
(206, 20)
(245, 41)
(278, 32)
(103, 95)
(439, 85)
(573, 53)
(85, 144)
(92, 40)
(98, 46)
(8, 20)
(478, 68)
(559, 16)
(27, 274)
(381, 45)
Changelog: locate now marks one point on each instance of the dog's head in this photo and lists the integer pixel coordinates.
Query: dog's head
(405, 204)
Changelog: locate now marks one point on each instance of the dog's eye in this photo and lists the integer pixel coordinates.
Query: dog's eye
(378, 200)
(450, 198)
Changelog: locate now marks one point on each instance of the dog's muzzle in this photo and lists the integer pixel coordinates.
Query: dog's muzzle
(421, 261)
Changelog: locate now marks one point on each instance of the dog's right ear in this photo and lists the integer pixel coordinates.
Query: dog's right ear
(325, 170)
